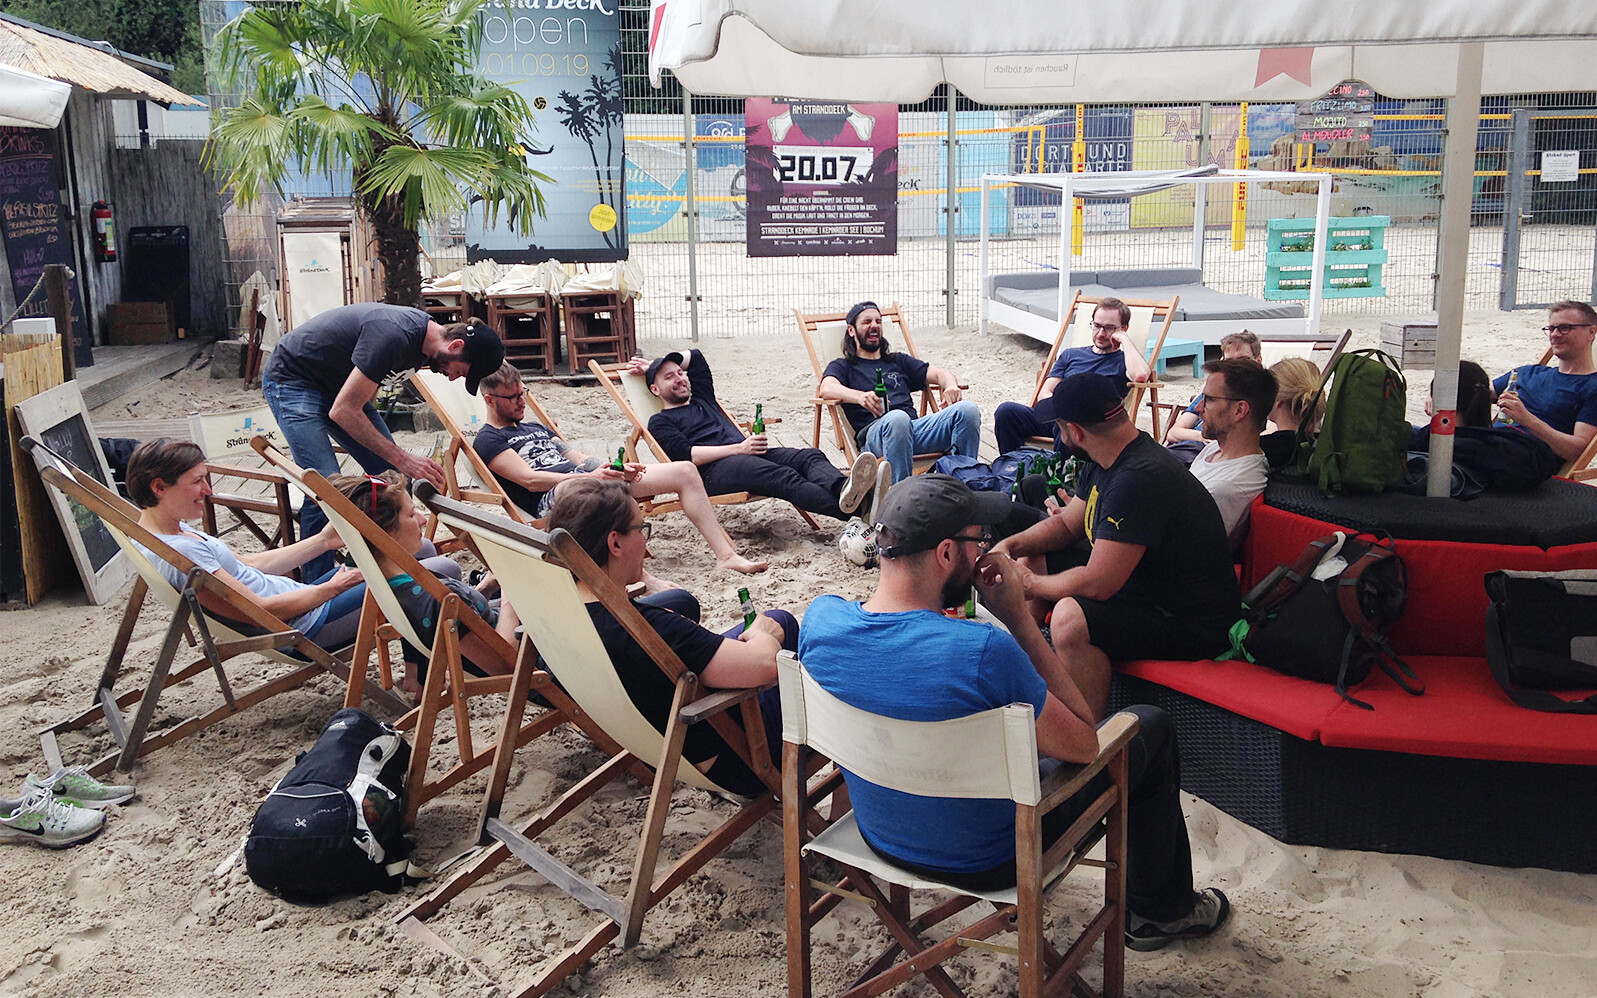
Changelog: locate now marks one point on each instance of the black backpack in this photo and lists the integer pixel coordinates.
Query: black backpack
(1330, 630)
(332, 826)
(1541, 632)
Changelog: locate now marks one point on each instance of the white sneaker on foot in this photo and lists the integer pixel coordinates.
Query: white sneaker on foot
(41, 819)
(73, 785)
(884, 481)
(861, 479)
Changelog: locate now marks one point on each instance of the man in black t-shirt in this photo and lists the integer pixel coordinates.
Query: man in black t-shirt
(891, 429)
(1158, 582)
(321, 378)
(693, 427)
(529, 460)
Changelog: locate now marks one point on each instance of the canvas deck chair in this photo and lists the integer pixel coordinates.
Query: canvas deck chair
(466, 474)
(245, 628)
(239, 482)
(632, 396)
(823, 340)
(383, 619)
(536, 570)
(991, 755)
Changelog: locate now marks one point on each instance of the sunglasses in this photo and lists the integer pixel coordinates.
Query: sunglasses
(983, 540)
(518, 397)
(377, 485)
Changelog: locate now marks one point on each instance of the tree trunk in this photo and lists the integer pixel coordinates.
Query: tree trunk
(397, 249)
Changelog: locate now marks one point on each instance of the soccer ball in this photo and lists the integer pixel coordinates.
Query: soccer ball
(858, 543)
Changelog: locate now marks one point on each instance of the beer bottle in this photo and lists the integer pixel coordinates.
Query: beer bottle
(746, 602)
(1512, 386)
(881, 389)
(759, 419)
(620, 463)
(1055, 477)
(970, 605)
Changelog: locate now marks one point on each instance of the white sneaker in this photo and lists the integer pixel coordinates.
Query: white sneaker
(41, 819)
(861, 479)
(73, 785)
(884, 481)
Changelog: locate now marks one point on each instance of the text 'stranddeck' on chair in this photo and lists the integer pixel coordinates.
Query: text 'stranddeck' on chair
(383, 619)
(239, 482)
(823, 340)
(205, 611)
(536, 570)
(632, 396)
(989, 755)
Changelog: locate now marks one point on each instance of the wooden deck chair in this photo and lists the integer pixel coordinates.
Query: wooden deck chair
(632, 396)
(1322, 349)
(990, 755)
(364, 540)
(823, 340)
(1074, 330)
(538, 571)
(245, 628)
(240, 484)
(466, 474)
(1579, 468)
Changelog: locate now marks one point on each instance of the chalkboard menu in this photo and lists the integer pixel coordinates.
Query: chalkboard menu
(34, 222)
(1345, 114)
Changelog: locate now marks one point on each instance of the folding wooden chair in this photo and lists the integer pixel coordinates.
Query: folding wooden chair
(538, 572)
(466, 474)
(823, 341)
(989, 755)
(1322, 349)
(632, 396)
(383, 619)
(245, 627)
(240, 483)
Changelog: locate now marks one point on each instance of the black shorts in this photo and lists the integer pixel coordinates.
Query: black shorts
(1127, 629)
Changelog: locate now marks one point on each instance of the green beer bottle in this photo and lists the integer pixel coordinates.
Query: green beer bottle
(881, 389)
(746, 602)
(970, 605)
(620, 463)
(759, 419)
(1512, 386)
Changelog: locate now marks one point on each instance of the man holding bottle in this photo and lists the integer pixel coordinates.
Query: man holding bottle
(693, 427)
(874, 384)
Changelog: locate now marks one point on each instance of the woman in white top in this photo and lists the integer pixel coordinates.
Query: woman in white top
(168, 481)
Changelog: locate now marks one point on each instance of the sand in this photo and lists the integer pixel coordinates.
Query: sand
(142, 911)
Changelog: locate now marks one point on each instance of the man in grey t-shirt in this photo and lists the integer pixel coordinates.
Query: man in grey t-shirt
(322, 377)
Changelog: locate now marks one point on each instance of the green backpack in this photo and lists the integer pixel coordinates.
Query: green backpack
(1364, 436)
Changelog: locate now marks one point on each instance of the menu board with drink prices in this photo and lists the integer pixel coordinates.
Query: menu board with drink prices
(1345, 114)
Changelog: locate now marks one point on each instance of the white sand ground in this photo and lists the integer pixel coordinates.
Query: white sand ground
(139, 910)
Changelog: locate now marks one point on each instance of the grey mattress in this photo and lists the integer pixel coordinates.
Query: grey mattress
(1038, 293)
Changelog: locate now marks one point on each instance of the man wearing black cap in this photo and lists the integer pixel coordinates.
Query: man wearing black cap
(693, 427)
(322, 377)
(1158, 582)
(897, 655)
(891, 429)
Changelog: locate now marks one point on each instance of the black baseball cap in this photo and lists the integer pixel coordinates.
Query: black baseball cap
(922, 511)
(484, 351)
(655, 364)
(1087, 399)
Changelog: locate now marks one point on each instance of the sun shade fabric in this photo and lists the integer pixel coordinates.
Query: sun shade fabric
(28, 100)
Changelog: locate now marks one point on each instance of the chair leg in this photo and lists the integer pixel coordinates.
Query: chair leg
(152, 692)
(654, 824)
(796, 873)
(427, 716)
(1028, 908)
(365, 641)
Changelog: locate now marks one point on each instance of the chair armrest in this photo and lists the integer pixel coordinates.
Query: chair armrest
(719, 700)
(828, 402)
(234, 471)
(1066, 781)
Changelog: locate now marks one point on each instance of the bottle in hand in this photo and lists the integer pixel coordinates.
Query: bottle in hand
(746, 603)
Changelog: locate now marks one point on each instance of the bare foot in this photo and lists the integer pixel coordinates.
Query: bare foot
(653, 584)
(738, 563)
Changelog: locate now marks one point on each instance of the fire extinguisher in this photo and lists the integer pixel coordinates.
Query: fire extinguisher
(104, 232)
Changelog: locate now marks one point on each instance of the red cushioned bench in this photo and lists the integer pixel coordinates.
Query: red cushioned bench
(1460, 772)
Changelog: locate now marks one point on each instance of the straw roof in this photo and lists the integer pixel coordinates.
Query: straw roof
(82, 64)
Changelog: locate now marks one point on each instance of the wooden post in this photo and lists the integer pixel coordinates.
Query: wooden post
(55, 286)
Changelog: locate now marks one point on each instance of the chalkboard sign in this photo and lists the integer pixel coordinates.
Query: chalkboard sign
(34, 222)
(1345, 114)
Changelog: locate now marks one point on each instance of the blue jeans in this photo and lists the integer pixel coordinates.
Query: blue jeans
(303, 416)
(955, 429)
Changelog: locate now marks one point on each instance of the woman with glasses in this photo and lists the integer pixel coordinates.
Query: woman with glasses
(608, 524)
(167, 479)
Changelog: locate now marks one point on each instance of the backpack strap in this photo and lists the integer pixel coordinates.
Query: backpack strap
(1347, 595)
(1285, 580)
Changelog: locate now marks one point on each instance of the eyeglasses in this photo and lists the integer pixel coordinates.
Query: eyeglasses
(1567, 327)
(376, 484)
(646, 528)
(1221, 398)
(983, 540)
(506, 398)
(1107, 328)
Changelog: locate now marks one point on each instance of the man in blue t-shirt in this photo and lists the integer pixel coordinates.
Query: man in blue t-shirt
(1108, 354)
(897, 655)
(1558, 404)
(890, 428)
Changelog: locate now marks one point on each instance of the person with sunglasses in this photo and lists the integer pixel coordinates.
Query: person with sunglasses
(1108, 354)
(530, 459)
(897, 654)
(1557, 403)
(608, 524)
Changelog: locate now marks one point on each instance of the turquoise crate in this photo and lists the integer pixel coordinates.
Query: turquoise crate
(1286, 274)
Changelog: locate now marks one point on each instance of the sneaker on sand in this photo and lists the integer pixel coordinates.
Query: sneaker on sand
(1209, 911)
(76, 787)
(884, 481)
(861, 479)
(39, 818)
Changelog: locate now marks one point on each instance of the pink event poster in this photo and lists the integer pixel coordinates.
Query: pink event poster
(822, 177)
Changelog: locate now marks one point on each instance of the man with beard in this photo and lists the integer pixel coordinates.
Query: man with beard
(1015, 422)
(1237, 397)
(692, 427)
(897, 655)
(1155, 580)
(322, 377)
(890, 428)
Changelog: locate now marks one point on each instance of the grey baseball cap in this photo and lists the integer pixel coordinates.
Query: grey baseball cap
(922, 511)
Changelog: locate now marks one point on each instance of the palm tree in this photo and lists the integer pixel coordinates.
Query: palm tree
(388, 89)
